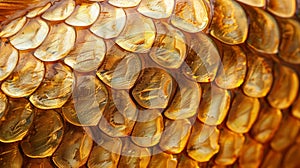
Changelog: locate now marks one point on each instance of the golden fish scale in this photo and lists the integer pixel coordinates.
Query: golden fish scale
(177, 83)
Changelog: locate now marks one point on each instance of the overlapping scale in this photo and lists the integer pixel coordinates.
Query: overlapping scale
(214, 104)
(264, 32)
(124, 3)
(251, 154)
(60, 10)
(175, 135)
(139, 33)
(74, 149)
(16, 122)
(156, 9)
(185, 161)
(289, 159)
(38, 163)
(162, 160)
(88, 52)
(88, 101)
(229, 23)
(266, 124)
(256, 3)
(272, 159)
(106, 153)
(282, 8)
(202, 59)
(285, 88)
(110, 22)
(12, 27)
(231, 144)
(259, 79)
(243, 113)
(37, 11)
(185, 101)
(59, 42)
(8, 60)
(45, 135)
(120, 69)
(190, 15)
(26, 77)
(148, 128)
(286, 133)
(3, 103)
(84, 14)
(289, 49)
(154, 88)
(169, 48)
(134, 156)
(296, 108)
(10, 155)
(31, 35)
(203, 142)
(120, 115)
(234, 66)
(55, 89)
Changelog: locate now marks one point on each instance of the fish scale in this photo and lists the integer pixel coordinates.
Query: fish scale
(225, 74)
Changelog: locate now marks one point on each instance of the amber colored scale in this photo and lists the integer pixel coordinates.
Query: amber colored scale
(150, 83)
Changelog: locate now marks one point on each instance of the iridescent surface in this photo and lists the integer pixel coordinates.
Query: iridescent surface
(156, 9)
(120, 115)
(259, 79)
(58, 44)
(202, 59)
(186, 100)
(138, 34)
(110, 22)
(55, 89)
(31, 35)
(282, 8)
(84, 15)
(153, 89)
(8, 60)
(89, 99)
(190, 15)
(214, 104)
(289, 49)
(149, 83)
(285, 87)
(26, 77)
(59, 10)
(243, 113)
(74, 149)
(203, 143)
(13, 27)
(45, 136)
(3, 103)
(15, 124)
(229, 23)
(263, 31)
(168, 51)
(175, 135)
(120, 69)
(10, 155)
(233, 72)
(88, 52)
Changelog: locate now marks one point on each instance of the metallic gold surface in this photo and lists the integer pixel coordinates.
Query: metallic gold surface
(45, 136)
(190, 15)
(26, 77)
(87, 53)
(149, 83)
(58, 44)
(229, 23)
(16, 122)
